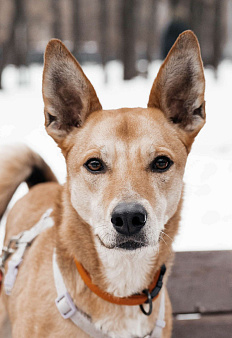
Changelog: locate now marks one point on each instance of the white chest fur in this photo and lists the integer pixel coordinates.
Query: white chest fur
(129, 322)
(126, 273)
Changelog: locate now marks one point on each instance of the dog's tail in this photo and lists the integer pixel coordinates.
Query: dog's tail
(19, 164)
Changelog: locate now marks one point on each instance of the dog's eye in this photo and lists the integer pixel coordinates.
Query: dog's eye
(161, 164)
(94, 165)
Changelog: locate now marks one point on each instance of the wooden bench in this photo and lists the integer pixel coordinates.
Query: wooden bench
(200, 288)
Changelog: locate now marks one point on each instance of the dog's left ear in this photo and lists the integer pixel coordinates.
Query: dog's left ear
(179, 87)
(68, 95)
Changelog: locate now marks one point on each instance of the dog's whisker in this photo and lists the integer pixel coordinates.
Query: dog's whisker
(167, 235)
(166, 244)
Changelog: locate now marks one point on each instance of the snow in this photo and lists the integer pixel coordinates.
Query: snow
(207, 213)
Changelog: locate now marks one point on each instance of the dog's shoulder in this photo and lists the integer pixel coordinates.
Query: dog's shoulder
(28, 210)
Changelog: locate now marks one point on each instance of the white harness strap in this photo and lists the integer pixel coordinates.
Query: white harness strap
(160, 323)
(23, 240)
(68, 309)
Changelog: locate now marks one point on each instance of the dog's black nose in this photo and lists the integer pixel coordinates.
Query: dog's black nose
(128, 218)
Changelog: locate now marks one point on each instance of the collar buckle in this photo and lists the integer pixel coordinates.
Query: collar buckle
(149, 301)
(154, 293)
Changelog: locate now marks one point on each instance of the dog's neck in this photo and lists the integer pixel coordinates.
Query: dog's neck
(127, 272)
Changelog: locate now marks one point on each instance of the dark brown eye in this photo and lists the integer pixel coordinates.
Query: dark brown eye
(94, 165)
(161, 164)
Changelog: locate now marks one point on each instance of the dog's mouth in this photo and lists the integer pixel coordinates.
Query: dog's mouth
(131, 245)
(125, 244)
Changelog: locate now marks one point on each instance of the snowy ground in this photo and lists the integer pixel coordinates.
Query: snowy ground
(207, 214)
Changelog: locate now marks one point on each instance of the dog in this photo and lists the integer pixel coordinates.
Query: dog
(114, 220)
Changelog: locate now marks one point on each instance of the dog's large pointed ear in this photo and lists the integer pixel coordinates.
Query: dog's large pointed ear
(68, 95)
(179, 87)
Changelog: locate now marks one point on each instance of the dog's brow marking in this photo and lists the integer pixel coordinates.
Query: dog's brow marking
(162, 150)
(91, 153)
(103, 150)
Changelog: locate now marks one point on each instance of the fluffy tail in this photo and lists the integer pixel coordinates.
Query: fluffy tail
(20, 164)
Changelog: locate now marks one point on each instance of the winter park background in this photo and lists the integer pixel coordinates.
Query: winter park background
(207, 213)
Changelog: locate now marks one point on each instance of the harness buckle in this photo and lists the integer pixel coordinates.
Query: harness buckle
(9, 250)
(14, 241)
(17, 246)
(65, 305)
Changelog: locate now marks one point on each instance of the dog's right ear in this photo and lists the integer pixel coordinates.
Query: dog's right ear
(68, 95)
(179, 87)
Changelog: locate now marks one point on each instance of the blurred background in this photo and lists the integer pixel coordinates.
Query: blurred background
(136, 32)
(120, 45)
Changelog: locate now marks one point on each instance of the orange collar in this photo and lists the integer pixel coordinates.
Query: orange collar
(139, 299)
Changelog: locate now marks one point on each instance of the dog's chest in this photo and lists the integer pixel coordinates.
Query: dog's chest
(129, 322)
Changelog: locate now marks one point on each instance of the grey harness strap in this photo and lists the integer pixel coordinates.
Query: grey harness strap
(160, 322)
(68, 309)
(22, 241)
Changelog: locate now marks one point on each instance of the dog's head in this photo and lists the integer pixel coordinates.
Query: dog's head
(125, 166)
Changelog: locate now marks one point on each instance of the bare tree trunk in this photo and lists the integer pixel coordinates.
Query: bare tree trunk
(104, 34)
(217, 34)
(6, 50)
(4, 47)
(21, 40)
(129, 38)
(15, 48)
(56, 26)
(20, 34)
(151, 31)
(76, 28)
(195, 16)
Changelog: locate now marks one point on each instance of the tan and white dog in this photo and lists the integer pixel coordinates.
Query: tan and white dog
(119, 210)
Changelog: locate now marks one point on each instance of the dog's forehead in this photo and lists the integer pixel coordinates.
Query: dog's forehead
(130, 125)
